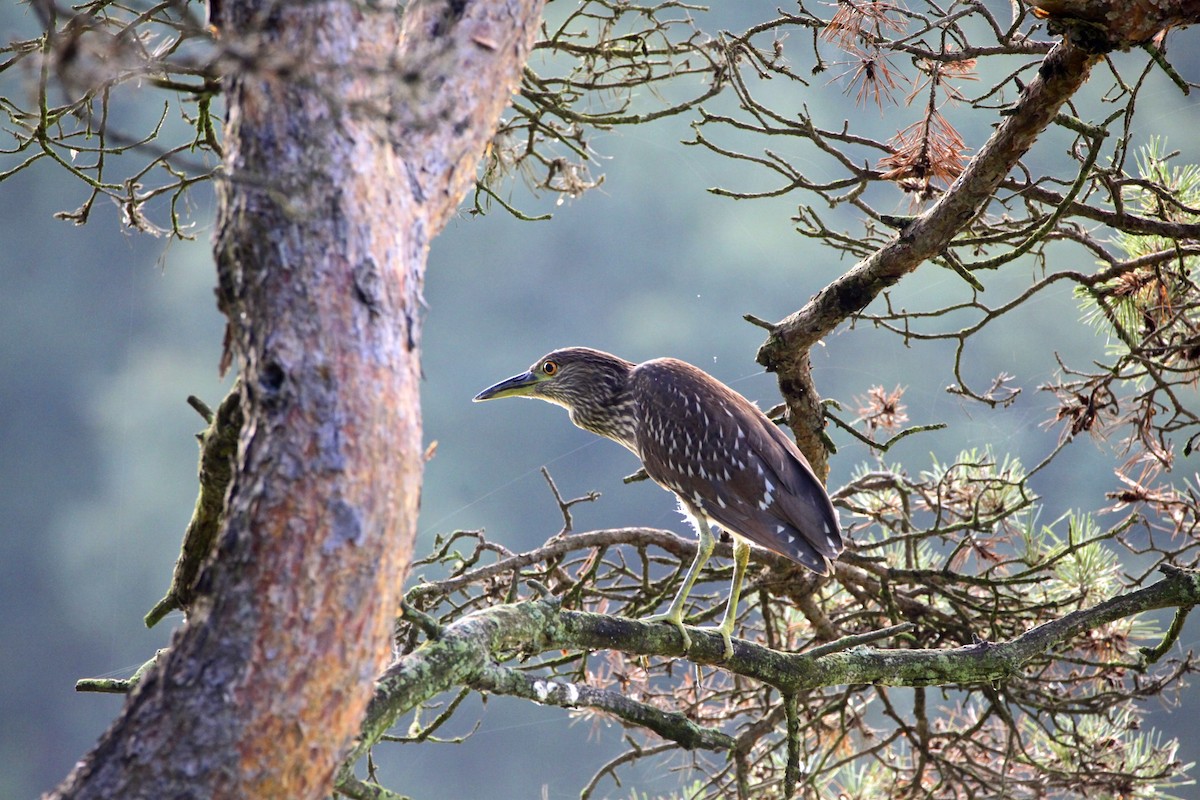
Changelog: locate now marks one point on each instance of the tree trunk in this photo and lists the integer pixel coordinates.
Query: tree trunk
(352, 133)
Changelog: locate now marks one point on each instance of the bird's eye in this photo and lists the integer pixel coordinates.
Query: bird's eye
(550, 367)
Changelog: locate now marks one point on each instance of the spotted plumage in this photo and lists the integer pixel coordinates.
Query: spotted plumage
(739, 468)
(698, 438)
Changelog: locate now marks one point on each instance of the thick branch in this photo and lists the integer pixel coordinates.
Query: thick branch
(792, 672)
(468, 650)
(1063, 71)
(1118, 26)
(785, 351)
(352, 133)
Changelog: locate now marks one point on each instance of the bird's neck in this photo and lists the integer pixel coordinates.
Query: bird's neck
(610, 414)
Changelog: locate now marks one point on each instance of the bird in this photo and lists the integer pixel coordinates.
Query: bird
(725, 461)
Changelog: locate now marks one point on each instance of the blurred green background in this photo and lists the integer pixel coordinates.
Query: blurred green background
(105, 332)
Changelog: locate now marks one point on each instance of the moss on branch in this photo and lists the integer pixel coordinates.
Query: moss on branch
(218, 450)
(469, 652)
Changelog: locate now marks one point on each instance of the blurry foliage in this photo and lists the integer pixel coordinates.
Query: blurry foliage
(958, 548)
(91, 59)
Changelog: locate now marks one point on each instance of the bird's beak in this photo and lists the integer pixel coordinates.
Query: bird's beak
(516, 386)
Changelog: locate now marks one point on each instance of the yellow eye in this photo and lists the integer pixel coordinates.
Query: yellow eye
(550, 367)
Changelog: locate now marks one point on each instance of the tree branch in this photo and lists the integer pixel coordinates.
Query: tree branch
(467, 652)
(785, 351)
(670, 725)
(682, 547)
(218, 449)
(352, 133)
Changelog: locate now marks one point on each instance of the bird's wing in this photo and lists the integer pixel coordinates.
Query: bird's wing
(718, 452)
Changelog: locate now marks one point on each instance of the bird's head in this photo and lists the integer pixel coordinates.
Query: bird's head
(579, 378)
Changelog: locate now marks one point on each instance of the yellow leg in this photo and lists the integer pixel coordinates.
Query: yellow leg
(674, 613)
(741, 557)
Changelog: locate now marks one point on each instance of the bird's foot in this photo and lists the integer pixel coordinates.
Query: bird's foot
(675, 621)
(727, 638)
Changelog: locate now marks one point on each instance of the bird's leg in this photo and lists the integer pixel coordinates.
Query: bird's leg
(674, 613)
(741, 557)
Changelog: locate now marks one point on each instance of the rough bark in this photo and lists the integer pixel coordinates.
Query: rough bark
(1120, 25)
(351, 135)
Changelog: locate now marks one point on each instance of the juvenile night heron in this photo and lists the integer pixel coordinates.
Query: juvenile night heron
(725, 461)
